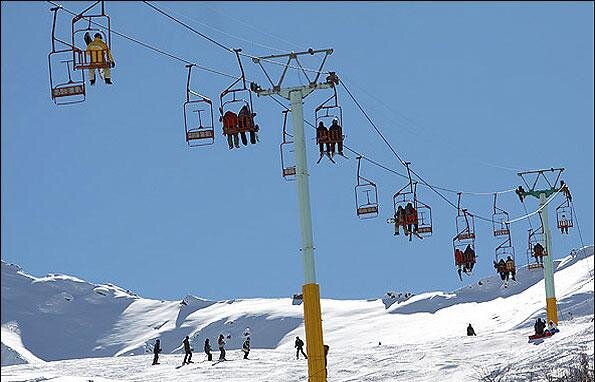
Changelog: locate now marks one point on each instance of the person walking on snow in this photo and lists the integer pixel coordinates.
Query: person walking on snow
(221, 343)
(188, 351)
(208, 350)
(156, 350)
(246, 346)
(470, 331)
(299, 345)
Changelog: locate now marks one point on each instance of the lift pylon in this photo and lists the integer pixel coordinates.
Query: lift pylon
(310, 290)
(551, 178)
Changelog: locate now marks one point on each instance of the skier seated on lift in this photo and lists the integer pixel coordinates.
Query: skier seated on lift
(96, 50)
(563, 224)
(520, 191)
(336, 137)
(510, 268)
(230, 128)
(501, 269)
(538, 253)
(459, 262)
(322, 139)
(400, 220)
(411, 219)
(469, 259)
(246, 123)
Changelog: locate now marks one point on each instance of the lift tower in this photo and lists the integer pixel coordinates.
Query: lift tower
(542, 194)
(310, 290)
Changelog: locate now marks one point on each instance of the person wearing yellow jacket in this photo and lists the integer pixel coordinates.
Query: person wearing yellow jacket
(96, 50)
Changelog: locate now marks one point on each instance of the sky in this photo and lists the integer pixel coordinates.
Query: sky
(469, 93)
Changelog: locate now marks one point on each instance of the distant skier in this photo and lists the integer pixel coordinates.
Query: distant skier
(470, 331)
(299, 345)
(552, 328)
(208, 350)
(539, 326)
(246, 345)
(326, 347)
(188, 351)
(156, 350)
(221, 343)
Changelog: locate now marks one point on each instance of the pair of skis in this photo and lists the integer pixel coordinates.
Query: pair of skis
(330, 157)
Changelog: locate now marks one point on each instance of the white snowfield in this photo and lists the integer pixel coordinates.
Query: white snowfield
(60, 328)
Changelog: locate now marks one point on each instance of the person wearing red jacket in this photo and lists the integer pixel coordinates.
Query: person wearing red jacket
(230, 128)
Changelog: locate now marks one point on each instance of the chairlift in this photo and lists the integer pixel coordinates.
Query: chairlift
(465, 237)
(499, 220)
(95, 23)
(287, 152)
(327, 112)
(365, 208)
(421, 221)
(73, 90)
(238, 95)
(197, 134)
(535, 237)
(564, 216)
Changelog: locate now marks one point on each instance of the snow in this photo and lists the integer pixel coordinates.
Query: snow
(63, 327)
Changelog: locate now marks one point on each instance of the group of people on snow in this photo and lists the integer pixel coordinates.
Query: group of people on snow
(464, 260)
(329, 139)
(234, 124)
(207, 348)
(406, 218)
(541, 329)
(506, 269)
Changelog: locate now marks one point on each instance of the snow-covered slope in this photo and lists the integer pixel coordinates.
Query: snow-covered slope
(422, 338)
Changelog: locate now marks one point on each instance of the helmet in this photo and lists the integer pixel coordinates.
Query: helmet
(335, 120)
(98, 35)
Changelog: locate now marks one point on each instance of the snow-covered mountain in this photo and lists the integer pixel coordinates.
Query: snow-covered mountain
(83, 326)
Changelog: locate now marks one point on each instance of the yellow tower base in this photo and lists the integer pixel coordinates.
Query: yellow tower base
(552, 310)
(314, 340)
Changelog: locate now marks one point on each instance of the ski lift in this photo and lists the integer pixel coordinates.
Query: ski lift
(465, 237)
(536, 237)
(499, 220)
(287, 152)
(197, 134)
(233, 95)
(422, 220)
(365, 208)
(564, 216)
(327, 112)
(73, 90)
(94, 25)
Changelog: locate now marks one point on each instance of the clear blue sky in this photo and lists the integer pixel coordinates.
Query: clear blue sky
(468, 92)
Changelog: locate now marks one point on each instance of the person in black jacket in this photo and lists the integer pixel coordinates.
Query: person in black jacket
(322, 139)
(208, 350)
(187, 350)
(539, 326)
(336, 137)
(156, 350)
(470, 331)
(299, 345)
(221, 343)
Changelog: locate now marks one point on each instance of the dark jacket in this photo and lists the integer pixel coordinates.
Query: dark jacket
(299, 343)
(207, 346)
(470, 331)
(186, 343)
(157, 348)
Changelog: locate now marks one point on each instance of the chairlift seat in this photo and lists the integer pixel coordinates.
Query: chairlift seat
(200, 134)
(367, 210)
(289, 171)
(72, 89)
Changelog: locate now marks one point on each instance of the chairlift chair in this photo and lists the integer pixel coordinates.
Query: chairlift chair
(73, 90)
(564, 216)
(287, 152)
(365, 208)
(499, 220)
(95, 23)
(535, 236)
(326, 113)
(234, 95)
(196, 133)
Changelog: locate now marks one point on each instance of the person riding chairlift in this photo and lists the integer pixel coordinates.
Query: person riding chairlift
(246, 122)
(96, 50)
(411, 219)
(510, 268)
(336, 137)
(230, 128)
(459, 262)
(501, 269)
(538, 253)
(322, 139)
(400, 220)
